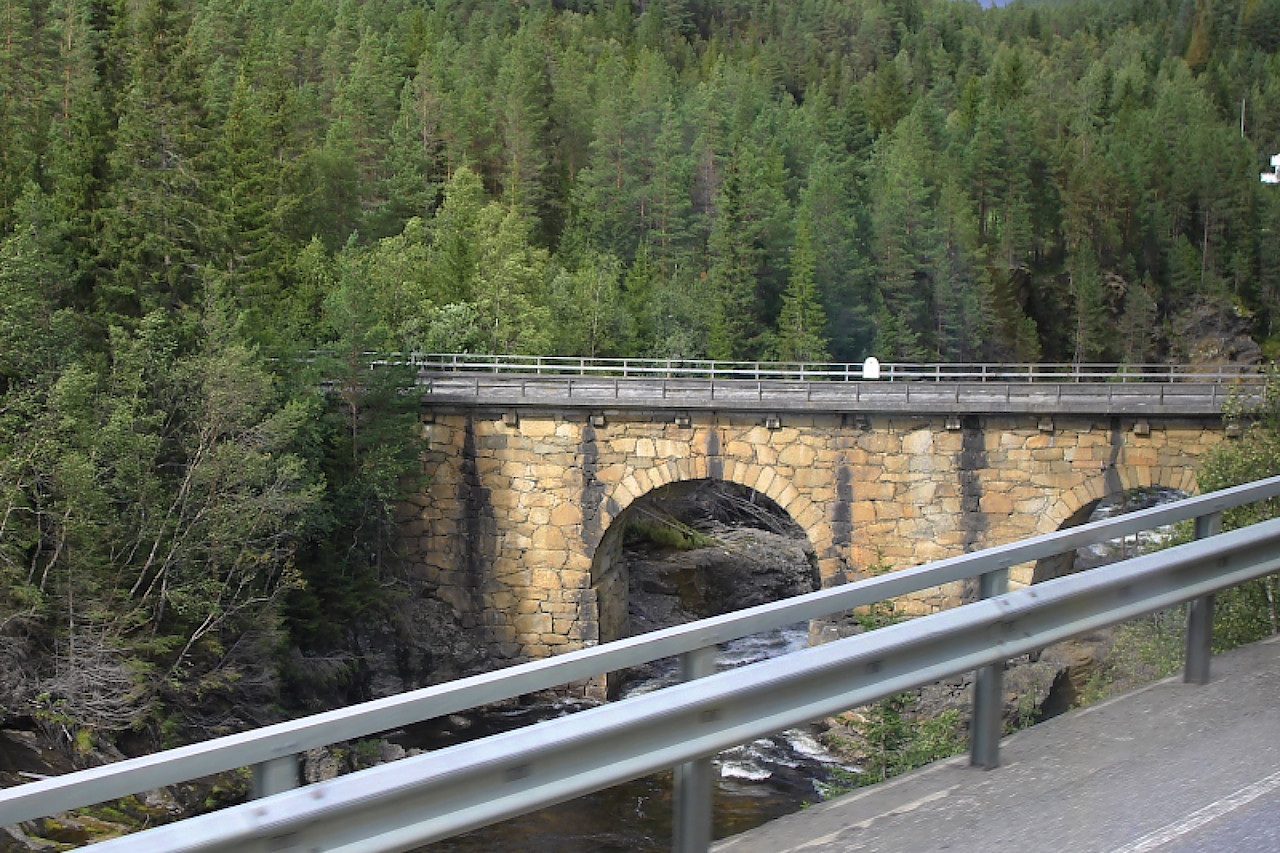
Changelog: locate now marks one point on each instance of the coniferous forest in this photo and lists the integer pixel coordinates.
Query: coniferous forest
(209, 206)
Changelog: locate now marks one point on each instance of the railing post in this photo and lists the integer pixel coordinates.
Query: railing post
(274, 776)
(988, 691)
(691, 796)
(1200, 615)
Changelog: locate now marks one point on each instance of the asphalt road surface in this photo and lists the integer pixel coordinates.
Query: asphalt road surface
(1171, 767)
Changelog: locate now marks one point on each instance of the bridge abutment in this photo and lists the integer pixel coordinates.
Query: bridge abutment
(520, 527)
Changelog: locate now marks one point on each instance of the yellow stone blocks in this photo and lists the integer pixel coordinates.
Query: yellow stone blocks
(519, 527)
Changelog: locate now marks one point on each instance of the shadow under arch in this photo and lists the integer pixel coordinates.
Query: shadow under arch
(1118, 492)
(610, 576)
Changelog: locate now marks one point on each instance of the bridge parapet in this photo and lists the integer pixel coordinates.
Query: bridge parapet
(847, 388)
(641, 368)
(903, 397)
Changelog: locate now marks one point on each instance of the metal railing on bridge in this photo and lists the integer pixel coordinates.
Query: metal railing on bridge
(950, 389)
(647, 368)
(420, 799)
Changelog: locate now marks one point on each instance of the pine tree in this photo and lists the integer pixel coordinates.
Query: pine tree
(37, 329)
(253, 172)
(731, 275)
(1087, 307)
(365, 108)
(157, 221)
(455, 239)
(521, 110)
(23, 104)
(802, 320)
(510, 284)
(906, 246)
(411, 175)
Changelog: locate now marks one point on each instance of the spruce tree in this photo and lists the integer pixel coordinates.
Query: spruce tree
(802, 320)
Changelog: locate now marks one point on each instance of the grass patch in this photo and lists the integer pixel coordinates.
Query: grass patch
(667, 532)
(888, 738)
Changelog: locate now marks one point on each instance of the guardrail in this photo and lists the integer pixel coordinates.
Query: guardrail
(416, 800)
(638, 368)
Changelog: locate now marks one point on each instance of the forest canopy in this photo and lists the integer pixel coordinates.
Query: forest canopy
(198, 195)
(921, 179)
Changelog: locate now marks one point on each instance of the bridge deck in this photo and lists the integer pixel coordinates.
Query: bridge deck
(1170, 767)
(856, 397)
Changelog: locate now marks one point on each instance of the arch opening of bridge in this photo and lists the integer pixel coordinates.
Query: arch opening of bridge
(697, 548)
(1122, 491)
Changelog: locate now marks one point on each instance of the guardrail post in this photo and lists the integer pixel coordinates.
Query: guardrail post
(1200, 616)
(988, 691)
(691, 796)
(274, 776)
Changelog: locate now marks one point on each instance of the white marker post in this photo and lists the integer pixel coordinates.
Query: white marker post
(1273, 177)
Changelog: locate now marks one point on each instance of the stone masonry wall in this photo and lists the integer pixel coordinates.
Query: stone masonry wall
(512, 529)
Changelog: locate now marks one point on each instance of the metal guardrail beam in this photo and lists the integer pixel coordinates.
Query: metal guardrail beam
(271, 744)
(418, 800)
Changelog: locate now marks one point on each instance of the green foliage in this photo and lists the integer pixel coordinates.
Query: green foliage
(880, 613)
(191, 195)
(891, 739)
(156, 506)
(971, 186)
(667, 532)
(1248, 612)
(802, 320)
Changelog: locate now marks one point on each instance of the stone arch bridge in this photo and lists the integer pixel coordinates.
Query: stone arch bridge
(531, 475)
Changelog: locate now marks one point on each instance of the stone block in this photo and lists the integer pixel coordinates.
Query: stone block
(456, 598)
(532, 623)
(888, 511)
(530, 603)
(796, 455)
(1040, 441)
(813, 519)
(546, 580)
(926, 464)
(808, 478)
(566, 515)
(538, 427)
(823, 495)
(878, 491)
(786, 435)
(879, 442)
(570, 579)
(557, 559)
(917, 442)
(996, 504)
(897, 464)
(1140, 456)
(921, 493)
